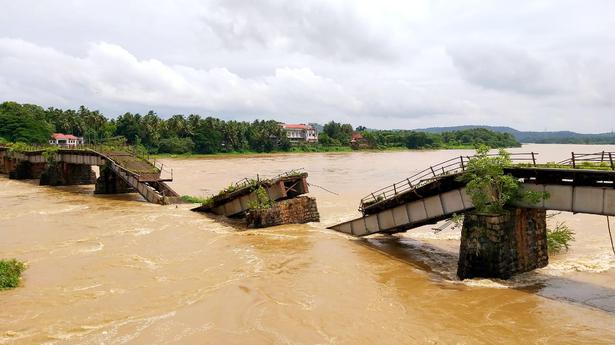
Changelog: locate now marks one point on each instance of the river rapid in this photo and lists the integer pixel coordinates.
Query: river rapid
(116, 270)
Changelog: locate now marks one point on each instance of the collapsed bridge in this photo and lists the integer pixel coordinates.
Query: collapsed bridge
(584, 183)
(492, 245)
(121, 171)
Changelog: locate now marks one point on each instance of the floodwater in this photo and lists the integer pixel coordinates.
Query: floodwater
(117, 270)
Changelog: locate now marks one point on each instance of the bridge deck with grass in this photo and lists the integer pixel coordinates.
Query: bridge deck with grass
(136, 172)
(584, 183)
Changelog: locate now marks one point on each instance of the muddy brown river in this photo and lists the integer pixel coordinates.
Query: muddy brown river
(116, 270)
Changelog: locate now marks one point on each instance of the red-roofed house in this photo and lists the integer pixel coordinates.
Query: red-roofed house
(65, 140)
(297, 133)
(358, 141)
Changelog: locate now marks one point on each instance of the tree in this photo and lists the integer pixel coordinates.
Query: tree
(489, 187)
(25, 123)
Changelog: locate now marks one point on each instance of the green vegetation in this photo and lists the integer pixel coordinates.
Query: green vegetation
(190, 134)
(10, 273)
(487, 185)
(262, 201)
(195, 199)
(559, 238)
(50, 154)
(469, 138)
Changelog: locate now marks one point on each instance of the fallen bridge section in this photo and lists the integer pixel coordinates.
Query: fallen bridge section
(433, 197)
(236, 200)
(69, 166)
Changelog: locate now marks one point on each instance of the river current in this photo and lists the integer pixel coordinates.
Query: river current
(114, 269)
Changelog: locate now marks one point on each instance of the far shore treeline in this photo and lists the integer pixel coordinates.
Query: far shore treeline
(180, 134)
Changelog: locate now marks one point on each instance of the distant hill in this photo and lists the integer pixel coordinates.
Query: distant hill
(559, 137)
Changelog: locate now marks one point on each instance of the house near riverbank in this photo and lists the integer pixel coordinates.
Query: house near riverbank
(300, 133)
(358, 141)
(65, 140)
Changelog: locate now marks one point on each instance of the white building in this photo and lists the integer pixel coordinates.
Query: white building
(65, 140)
(298, 133)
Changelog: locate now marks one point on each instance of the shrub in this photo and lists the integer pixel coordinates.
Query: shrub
(558, 238)
(487, 185)
(10, 273)
(195, 199)
(262, 200)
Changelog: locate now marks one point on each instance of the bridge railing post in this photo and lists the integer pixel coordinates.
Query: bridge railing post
(463, 167)
(611, 160)
(574, 165)
(533, 158)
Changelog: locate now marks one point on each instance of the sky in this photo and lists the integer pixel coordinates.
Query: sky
(532, 65)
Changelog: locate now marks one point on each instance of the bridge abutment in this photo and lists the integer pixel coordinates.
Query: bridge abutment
(65, 174)
(110, 183)
(499, 246)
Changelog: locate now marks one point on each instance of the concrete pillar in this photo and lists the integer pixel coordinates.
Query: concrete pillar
(64, 174)
(499, 246)
(24, 170)
(110, 183)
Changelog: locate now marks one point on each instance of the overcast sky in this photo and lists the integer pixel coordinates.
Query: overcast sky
(532, 65)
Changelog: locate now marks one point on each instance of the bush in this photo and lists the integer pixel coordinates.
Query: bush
(10, 273)
(489, 187)
(558, 239)
(176, 145)
(195, 199)
(262, 201)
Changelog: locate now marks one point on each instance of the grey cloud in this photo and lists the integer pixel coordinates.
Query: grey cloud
(320, 28)
(383, 64)
(506, 69)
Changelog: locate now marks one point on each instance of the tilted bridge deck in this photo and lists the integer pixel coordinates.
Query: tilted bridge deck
(436, 193)
(237, 201)
(143, 176)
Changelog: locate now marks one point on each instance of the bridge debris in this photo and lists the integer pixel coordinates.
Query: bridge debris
(266, 202)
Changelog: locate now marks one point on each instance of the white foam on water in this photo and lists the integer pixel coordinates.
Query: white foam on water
(86, 287)
(92, 249)
(597, 263)
(66, 209)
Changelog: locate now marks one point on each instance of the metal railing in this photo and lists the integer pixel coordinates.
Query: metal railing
(434, 172)
(600, 160)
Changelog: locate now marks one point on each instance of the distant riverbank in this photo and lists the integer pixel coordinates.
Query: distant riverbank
(308, 149)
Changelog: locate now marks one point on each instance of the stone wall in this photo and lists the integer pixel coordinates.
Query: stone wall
(297, 210)
(499, 246)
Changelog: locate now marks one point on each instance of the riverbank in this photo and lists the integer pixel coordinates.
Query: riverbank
(297, 150)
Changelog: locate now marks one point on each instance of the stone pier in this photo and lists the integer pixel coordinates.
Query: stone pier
(499, 246)
(110, 183)
(25, 170)
(65, 174)
(297, 210)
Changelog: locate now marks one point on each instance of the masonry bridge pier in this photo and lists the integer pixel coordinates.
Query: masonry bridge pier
(120, 171)
(513, 243)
